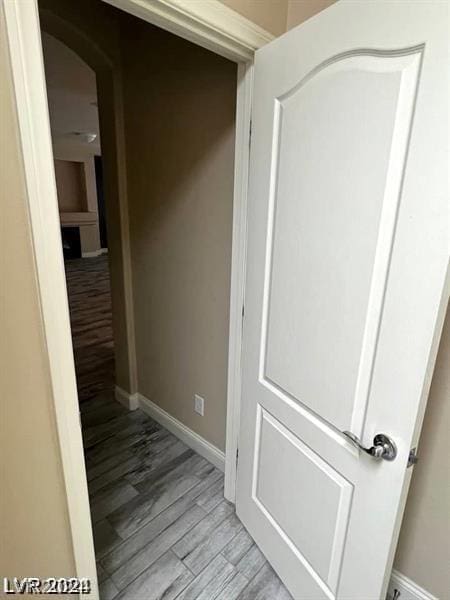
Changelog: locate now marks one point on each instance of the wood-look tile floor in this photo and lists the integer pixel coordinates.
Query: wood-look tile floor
(162, 528)
(89, 294)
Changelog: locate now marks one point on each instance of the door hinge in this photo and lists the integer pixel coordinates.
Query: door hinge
(250, 133)
(237, 456)
(413, 459)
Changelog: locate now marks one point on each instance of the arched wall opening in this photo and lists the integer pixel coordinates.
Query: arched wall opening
(59, 23)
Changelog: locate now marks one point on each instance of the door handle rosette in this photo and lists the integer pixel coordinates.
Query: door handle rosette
(383, 447)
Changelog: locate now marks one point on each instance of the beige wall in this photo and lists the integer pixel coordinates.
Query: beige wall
(70, 185)
(269, 14)
(89, 238)
(277, 16)
(34, 520)
(423, 553)
(179, 125)
(301, 10)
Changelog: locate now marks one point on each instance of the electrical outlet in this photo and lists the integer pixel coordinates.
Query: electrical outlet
(199, 405)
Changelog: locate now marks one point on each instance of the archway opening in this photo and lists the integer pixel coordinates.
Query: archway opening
(75, 129)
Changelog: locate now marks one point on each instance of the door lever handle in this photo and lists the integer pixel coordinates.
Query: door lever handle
(383, 447)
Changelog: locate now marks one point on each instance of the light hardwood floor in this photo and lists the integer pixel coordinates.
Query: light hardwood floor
(162, 528)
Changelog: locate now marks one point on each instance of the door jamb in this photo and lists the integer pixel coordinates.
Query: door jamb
(207, 23)
(238, 261)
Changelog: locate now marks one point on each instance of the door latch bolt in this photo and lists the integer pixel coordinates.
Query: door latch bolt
(413, 459)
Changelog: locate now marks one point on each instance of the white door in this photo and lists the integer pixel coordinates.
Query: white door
(346, 270)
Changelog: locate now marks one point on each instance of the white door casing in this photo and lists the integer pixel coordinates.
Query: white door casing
(346, 282)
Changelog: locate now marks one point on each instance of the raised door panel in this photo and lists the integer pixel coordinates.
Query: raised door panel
(333, 205)
(315, 530)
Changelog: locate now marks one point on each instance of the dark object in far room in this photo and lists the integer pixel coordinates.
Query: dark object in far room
(101, 202)
(71, 242)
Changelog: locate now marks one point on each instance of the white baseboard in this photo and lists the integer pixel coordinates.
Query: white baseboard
(130, 401)
(407, 588)
(94, 253)
(186, 435)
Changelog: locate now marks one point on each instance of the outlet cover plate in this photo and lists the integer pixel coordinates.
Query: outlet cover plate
(199, 405)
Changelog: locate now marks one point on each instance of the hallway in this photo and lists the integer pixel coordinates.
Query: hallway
(162, 528)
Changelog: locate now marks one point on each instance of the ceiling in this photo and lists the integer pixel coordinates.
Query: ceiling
(72, 94)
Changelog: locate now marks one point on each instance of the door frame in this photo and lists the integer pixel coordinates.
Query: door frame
(207, 23)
